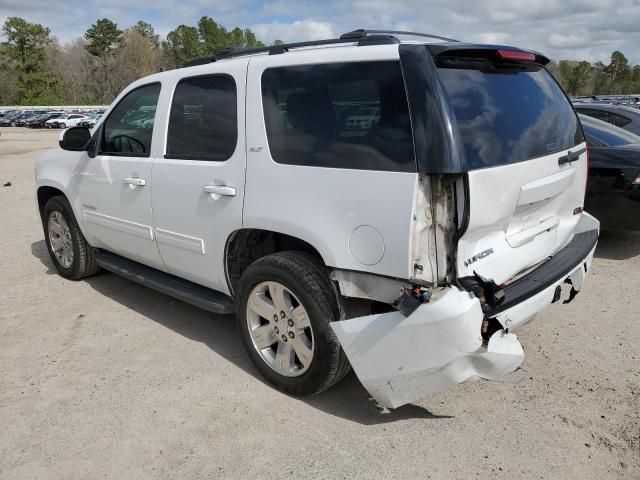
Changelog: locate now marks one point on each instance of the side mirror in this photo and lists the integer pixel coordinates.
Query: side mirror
(75, 139)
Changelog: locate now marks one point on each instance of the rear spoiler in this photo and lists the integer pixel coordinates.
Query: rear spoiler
(494, 52)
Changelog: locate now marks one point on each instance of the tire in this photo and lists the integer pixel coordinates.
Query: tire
(13, 124)
(83, 261)
(63, 125)
(305, 277)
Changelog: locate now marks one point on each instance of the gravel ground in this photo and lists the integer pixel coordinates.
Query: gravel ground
(105, 378)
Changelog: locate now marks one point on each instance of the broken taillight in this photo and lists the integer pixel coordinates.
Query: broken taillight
(517, 56)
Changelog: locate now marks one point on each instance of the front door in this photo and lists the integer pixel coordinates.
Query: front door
(198, 184)
(115, 186)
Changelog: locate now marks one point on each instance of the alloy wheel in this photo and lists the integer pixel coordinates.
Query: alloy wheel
(60, 239)
(280, 329)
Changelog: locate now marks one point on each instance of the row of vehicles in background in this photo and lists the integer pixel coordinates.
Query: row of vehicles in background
(50, 118)
(613, 188)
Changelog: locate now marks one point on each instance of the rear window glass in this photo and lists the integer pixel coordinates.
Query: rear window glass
(603, 134)
(339, 115)
(507, 115)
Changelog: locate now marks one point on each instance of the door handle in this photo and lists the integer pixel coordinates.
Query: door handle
(220, 190)
(135, 181)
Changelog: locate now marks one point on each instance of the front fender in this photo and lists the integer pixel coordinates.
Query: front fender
(62, 170)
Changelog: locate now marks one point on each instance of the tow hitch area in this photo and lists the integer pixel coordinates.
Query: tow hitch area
(402, 359)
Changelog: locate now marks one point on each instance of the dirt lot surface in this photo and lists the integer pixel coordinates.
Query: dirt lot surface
(104, 378)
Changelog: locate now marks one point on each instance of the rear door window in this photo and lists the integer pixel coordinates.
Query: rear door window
(204, 119)
(339, 115)
(507, 115)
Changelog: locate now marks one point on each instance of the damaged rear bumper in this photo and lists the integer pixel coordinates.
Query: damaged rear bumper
(401, 359)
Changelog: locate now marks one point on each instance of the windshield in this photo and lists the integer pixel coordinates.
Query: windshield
(507, 114)
(603, 134)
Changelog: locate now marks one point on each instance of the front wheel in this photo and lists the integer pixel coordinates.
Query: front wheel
(285, 304)
(72, 256)
(63, 125)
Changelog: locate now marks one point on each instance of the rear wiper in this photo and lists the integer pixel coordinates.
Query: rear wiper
(571, 156)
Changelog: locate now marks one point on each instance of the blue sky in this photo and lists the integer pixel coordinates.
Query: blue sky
(562, 29)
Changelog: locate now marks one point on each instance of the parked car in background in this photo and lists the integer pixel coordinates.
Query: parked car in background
(618, 115)
(19, 122)
(14, 119)
(613, 186)
(9, 117)
(65, 121)
(39, 121)
(91, 120)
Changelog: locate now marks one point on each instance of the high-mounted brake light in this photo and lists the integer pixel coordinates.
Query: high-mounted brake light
(517, 56)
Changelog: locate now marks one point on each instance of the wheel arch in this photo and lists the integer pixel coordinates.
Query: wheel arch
(245, 246)
(45, 192)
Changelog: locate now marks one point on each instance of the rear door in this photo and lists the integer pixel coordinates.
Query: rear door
(198, 182)
(526, 160)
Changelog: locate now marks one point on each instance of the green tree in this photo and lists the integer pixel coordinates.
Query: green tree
(26, 43)
(25, 48)
(618, 70)
(182, 45)
(40, 88)
(103, 36)
(146, 30)
(213, 37)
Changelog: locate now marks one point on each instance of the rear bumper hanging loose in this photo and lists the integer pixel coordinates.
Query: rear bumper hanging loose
(402, 359)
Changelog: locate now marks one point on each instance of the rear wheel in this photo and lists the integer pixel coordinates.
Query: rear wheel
(63, 125)
(286, 302)
(72, 256)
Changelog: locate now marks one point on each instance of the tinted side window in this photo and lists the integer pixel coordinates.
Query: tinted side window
(204, 119)
(618, 120)
(129, 127)
(599, 114)
(606, 135)
(339, 115)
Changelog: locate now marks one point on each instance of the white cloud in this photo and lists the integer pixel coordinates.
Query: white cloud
(494, 38)
(561, 29)
(299, 30)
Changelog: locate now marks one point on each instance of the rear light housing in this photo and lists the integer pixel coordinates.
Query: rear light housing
(636, 181)
(586, 177)
(515, 55)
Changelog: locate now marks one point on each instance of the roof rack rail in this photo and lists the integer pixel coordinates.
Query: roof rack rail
(362, 32)
(361, 36)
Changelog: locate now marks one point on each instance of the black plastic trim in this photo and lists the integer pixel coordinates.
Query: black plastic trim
(437, 144)
(202, 297)
(553, 270)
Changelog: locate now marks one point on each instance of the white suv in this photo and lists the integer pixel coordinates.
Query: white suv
(407, 248)
(66, 120)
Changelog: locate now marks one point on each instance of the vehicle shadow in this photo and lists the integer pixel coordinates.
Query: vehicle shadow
(618, 245)
(348, 400)
(39, 250)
